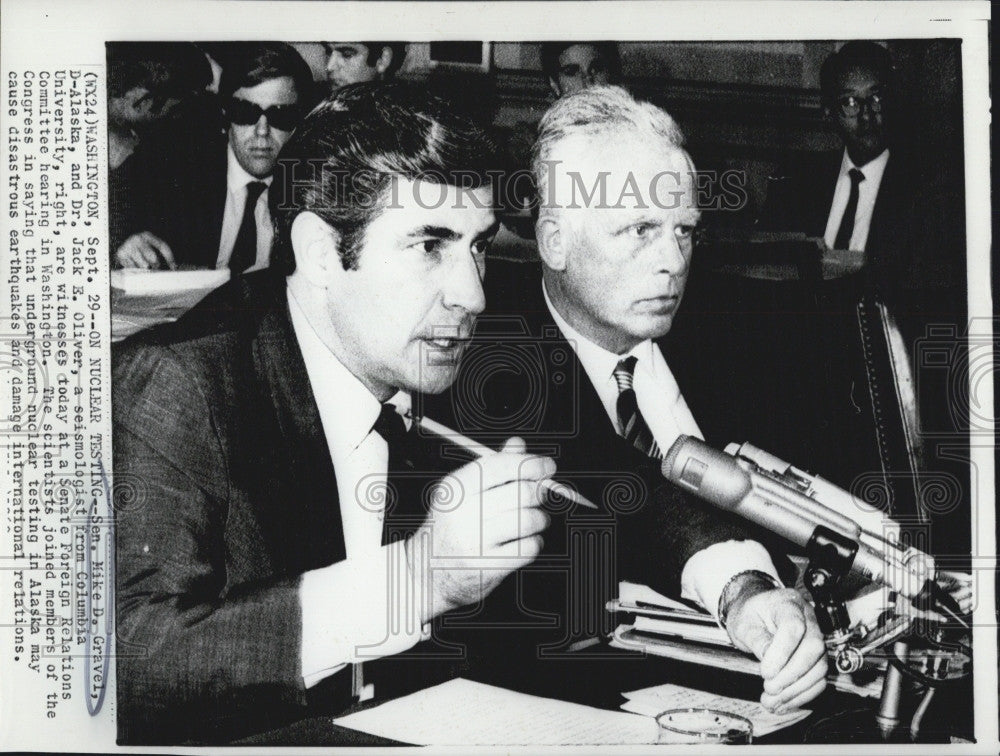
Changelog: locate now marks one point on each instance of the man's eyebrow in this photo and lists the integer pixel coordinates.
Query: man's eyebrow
(437, 232)
(489, 232)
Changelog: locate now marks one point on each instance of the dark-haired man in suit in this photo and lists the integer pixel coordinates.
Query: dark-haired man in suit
(358, 62)
(572, 66)
(571, 359)
(146, 84)
(264, 560)
(210, 209)
(899, 208)
(878, 196)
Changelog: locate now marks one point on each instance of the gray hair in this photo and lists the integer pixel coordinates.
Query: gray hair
(593, 112)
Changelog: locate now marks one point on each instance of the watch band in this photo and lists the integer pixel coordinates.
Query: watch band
(736, 584)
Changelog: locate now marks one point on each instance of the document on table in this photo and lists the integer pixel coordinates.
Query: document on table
(463, 712)
(136, 282)
(659, 698)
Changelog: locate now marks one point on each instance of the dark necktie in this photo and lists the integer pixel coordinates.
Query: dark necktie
(633, 426)
(846, 230)
(245, 248)
(404, 509)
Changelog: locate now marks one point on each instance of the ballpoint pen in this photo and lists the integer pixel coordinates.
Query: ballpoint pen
(480, 450)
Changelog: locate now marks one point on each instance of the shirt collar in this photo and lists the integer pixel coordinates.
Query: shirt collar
(347, 409)
(597, 361)
(236, 176)
(873, 169)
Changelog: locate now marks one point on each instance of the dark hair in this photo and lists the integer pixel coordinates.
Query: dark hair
(256, 63)
(398, 50)
(166, 69)
(608, 50)
(345, 153)
(856, 54)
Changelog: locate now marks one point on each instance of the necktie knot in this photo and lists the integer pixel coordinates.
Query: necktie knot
(254, 190)
(625, 372)
(856, 176)
(389, 425)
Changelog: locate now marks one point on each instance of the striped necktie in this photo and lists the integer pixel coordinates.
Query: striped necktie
(634, 428)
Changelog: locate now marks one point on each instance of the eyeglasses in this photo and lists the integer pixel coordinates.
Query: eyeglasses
(850, 106)
(244, 113)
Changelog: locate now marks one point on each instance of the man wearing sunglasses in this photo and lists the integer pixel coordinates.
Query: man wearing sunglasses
(213, 208)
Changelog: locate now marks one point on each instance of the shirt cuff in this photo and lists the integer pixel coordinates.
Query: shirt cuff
(359, 610)
(706, 574)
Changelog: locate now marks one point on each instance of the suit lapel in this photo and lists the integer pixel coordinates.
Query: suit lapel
(308, 525)
(574, 414)
(830, 173)
(885, 227)
(215, 208)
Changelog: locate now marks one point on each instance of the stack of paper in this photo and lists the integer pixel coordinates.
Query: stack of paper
(466, 713)
(143, 282)
(652, 701)
(144, 298)
(665, 627)
(660, 626)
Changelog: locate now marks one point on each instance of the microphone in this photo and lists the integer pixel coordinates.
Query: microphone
(735, 485)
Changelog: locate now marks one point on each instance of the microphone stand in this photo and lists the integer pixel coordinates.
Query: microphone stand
(892, 691)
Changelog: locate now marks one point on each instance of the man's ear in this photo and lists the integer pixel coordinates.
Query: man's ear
(384, 61)
(317, 249)
(551, 237)
(554, 86)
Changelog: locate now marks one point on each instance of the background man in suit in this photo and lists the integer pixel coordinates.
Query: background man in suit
(211, 209)
(615, 230)
(572, 66)
(261, 562)
(896, 198)
(146, 84)
(882, 194)
(358, 62)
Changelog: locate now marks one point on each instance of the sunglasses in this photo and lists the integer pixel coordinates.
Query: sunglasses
(243, 113)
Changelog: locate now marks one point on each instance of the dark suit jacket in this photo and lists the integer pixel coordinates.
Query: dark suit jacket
(226, 496)
(917, 267)
(916, 241)
(520, 377)
(185, 203)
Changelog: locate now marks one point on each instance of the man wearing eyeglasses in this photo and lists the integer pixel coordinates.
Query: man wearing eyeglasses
(855, 83)
(213, 210)
(847, 198)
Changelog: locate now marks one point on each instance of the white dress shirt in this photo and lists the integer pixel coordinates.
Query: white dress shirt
(232, 216)
(666, 413)
(867, 194)
(345, 616)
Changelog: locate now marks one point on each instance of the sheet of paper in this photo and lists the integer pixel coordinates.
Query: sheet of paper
(690, 631)
(134, 281)
(462, 712)
(652, 701)
(633, 593)
(672, 648)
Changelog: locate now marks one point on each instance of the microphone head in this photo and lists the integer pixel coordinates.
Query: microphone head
(714, 476)
(675, 450)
